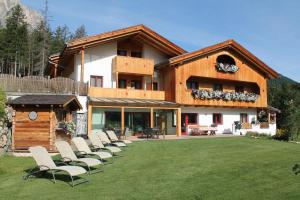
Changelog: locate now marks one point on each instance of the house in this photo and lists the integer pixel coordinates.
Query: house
(137, 79)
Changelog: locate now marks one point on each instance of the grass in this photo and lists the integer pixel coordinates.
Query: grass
(216, 168)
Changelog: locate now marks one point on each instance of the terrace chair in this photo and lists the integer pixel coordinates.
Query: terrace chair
(113, 137)
(106, 141)
(84, 149)
(45, 163)
(97, 144)
(68, 156)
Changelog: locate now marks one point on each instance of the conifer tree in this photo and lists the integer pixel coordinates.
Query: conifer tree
(79, 32)
(15, 42)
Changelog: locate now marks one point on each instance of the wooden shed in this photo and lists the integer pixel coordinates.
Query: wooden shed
(37, 119)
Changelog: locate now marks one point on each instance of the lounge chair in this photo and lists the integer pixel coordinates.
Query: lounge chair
(45, 163)
(84, 149)
(113, 137)
(69, 156)
(106, 141)
(97, 144)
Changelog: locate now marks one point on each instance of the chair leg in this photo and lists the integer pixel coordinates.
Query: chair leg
(72, 181)
(53, 176)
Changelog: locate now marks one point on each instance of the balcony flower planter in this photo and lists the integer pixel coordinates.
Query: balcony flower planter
(227, 96)
(227, 68)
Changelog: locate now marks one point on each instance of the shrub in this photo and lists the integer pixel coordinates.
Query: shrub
(281, 134)
(257, 134)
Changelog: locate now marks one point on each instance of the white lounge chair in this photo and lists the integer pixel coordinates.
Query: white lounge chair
(113, 137)
(45, 163)
(69, 156)
(97, 144)
(84, 149)
(105, 140)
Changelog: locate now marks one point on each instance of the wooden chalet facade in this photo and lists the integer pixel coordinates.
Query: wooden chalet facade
(139, 79)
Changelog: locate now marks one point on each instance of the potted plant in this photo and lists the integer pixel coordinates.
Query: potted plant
(70, 128)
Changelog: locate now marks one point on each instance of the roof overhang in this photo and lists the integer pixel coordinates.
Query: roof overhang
(229, 45)
(111, 102)
(143, 32)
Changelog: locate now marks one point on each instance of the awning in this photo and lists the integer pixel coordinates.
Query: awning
(131, 102)
(273, 110)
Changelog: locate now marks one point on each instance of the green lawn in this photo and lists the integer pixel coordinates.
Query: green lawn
(215, 168)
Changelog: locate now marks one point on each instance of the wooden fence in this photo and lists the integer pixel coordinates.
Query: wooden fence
(38, 84)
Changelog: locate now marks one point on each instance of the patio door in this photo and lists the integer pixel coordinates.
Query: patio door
(187, 119)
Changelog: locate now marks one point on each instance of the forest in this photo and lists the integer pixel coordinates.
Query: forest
(24, 51)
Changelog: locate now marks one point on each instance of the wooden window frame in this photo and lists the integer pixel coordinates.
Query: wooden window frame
(241, 118)
(122, 50)
(119, 81)
(137, 53)
(96, 78)
(239, 88)
(192, 82)
(215, 86)
(218, 121)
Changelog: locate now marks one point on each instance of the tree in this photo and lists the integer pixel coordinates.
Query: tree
(40, 47)
(15, 42)
(79, 33)
(59, 38)
(284, 94)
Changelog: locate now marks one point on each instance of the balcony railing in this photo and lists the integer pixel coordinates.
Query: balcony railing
(125, 64)
(186, 97)
(126, 93)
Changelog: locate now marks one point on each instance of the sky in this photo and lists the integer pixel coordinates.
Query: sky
(270, 29)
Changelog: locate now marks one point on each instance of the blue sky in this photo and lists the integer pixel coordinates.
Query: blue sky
(270, 29)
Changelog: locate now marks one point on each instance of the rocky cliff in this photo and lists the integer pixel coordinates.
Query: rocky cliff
(32, 16)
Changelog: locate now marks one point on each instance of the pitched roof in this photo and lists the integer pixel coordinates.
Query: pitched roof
(228, 44)
(55, 100)
(141, 30)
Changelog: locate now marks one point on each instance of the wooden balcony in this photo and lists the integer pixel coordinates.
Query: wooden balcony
(186, 98)
(125, 93)
(131, 65)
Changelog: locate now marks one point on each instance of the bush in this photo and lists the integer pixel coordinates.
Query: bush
(257, 134)
(281, 134)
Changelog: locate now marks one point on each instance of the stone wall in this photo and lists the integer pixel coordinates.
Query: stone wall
(5, 131)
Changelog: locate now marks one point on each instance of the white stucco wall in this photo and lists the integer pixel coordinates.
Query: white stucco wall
(98, 62)
(230, 115)
(151, 53)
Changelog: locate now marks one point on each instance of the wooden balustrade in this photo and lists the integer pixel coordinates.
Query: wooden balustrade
(131, 65)
(125, 93)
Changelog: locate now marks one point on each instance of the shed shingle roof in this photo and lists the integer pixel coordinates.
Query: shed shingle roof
(58, 100)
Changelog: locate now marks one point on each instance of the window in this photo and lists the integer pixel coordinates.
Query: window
(189, 118)
(225, 59)
(136, 54)
(217, 87)
(122, 83)
(244, 118)
(122, 52)
(239, 89)
(155, 86)
(96, 81)
(136, 84)
(192, 85)
(217, 118)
